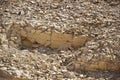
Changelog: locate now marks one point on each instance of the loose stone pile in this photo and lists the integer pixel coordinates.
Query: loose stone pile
(98, 51)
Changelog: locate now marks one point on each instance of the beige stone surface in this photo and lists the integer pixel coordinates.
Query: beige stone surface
(60, 39)
(6, 76)
(54, 40)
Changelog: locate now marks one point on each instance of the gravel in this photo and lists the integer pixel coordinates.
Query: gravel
(99, 19)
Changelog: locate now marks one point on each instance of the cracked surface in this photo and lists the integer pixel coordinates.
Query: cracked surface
(27, 36)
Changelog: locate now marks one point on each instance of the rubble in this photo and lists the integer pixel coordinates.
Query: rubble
(85, 58)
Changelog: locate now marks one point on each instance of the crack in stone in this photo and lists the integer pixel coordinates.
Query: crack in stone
(52, 39)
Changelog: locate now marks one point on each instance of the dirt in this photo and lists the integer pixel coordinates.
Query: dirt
(37, 51)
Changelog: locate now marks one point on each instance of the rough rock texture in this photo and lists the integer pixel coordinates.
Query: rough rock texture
(27, 36)
(96, 59)
(6, 76)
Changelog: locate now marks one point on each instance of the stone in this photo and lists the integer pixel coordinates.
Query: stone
(6, 76)
(0, 41)
(55, 40)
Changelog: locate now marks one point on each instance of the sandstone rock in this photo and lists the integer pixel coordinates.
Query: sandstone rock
(59, 20)
(94, 64)
(0, 42)
(6, 76)
(28, 35)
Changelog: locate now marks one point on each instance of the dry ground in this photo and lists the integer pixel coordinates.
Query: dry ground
(97, 59)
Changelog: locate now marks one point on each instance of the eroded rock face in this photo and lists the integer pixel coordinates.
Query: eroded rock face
(27, 36)
(93, 63)
(73, 20)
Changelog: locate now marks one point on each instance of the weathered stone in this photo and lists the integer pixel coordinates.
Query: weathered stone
(6, 76)
(54, 40)
(95, 64)
(0, 42)
(58, 20)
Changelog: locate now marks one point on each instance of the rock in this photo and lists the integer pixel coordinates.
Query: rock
(0, 41)
(57, 0)
(85, 31)
(94, 64)
(6, 76)
(55, 40)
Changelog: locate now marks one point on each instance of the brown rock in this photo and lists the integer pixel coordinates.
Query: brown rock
(57, 0)
(0, 41)
(52, 39)
(6, 76)
(97, 65)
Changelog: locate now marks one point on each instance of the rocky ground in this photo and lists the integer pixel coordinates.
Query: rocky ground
(97, 59)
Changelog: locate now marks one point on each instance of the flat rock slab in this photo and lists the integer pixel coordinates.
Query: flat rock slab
(94, 64)
(27, 36)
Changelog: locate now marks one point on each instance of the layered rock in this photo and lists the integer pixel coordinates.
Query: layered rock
(6, 76)
(27, 36)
